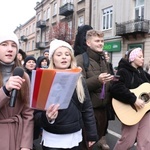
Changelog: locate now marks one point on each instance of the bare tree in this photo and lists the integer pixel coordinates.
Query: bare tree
(62, 31)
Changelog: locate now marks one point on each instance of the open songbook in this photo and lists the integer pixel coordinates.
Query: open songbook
(52, 86)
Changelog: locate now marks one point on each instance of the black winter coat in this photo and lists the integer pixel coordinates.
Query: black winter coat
(130, 78)
(71, 120)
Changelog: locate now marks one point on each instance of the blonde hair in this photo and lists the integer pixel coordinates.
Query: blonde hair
(92, 32)
(73, 65)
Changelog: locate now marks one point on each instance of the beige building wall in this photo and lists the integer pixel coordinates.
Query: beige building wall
(26, 35)
(45, 14)
(80, 8)
(85, 12)
(123, 11)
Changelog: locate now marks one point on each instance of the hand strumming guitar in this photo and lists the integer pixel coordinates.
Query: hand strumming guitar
(139, 103)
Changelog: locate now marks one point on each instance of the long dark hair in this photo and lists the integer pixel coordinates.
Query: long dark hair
(80, 39)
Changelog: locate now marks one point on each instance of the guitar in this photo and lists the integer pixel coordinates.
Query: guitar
(130, 115)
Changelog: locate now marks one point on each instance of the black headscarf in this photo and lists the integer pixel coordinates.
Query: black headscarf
(80, 40)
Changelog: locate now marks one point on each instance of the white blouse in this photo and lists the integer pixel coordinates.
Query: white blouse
(61, 140)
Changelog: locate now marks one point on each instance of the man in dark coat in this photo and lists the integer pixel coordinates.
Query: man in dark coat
(98, 78)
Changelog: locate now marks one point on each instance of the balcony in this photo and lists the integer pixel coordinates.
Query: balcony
(66, 9)
(41, 24)
(134, 27)
(23, 38)
(40, 45)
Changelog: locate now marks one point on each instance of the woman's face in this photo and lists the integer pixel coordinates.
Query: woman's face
(44, 63)
(107, 57)
(139, 60)
(30, 65)
(8, 51)
(46, 54)
(62, 58)
(19, 56)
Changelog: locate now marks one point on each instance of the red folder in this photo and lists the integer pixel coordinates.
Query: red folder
(44, 81)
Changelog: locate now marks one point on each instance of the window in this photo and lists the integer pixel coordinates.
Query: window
(33, 45)
(107, 18)
(38, 37)
(70, 29)
(27, 31)
(38, 17)
(139, 9)
(80, 20)
(43, 36)
(47, 33)
(94, 5)
(139, 2)
(70, 25)
(131, 46)
(44, 16)
(48, 13)
(55, 9)
(23, 32)
(33, 27)
(28, 46)
(23, 47)
(66, 1)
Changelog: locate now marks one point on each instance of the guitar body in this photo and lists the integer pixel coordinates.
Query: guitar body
(126, 113)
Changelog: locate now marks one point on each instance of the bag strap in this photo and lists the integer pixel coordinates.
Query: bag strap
(85, 60)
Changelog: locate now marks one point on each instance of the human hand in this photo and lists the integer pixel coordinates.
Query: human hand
(52, 112)
(116, 78)
(105, 77)
(90, 143)
(139, 103)
(25, 149)
(14, 82)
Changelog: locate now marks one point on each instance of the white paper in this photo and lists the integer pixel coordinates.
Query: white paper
(62, 89)
(32, 85)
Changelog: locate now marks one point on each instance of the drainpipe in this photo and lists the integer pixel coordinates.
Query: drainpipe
(90, 12)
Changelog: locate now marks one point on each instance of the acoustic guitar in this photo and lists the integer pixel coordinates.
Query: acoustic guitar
(130, 115)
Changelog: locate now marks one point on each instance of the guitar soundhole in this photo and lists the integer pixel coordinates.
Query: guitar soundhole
(145, 97)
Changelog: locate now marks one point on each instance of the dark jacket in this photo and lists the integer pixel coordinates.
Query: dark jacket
(130, 78)
(29, 72)
(39, 60)
(97, 65)
(71, 120)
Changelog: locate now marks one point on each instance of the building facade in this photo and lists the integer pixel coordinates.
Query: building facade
(126, 24)
(53, 16)
(26, 35)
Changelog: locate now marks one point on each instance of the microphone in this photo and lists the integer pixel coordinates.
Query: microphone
(18, 71)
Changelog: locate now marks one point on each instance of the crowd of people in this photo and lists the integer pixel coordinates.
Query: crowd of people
(85, 122)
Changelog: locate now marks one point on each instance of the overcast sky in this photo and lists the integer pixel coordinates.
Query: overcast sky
(15, 12)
